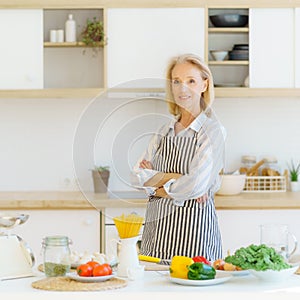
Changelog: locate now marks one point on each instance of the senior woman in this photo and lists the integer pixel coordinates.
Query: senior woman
(180, 168)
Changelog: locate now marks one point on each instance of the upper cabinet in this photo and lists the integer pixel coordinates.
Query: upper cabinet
(21, 51)
(228, 46)
(272, 48)
(142, 40)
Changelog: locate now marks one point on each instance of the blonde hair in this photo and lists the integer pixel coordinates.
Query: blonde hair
(207, 96)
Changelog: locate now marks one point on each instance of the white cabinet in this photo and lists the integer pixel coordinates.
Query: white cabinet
(240, 228)
(141, 41)
(21, 51)
(271, 36)
(297, 47)
(81, 226)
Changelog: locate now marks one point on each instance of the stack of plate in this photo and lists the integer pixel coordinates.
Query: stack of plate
(239, 52)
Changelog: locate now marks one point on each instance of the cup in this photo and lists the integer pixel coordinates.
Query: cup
(53, 36)
(59, 36)
(278, 236)
(136, 273)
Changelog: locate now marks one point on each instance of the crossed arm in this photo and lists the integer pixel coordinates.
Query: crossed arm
(160, 179)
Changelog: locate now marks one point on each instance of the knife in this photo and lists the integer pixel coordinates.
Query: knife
(154, 259)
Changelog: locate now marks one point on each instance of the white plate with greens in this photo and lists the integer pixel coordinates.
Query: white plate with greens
(220, 278)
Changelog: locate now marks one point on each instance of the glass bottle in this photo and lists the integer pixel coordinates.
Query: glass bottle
(270, 167)
(248, 161)
(57, 255)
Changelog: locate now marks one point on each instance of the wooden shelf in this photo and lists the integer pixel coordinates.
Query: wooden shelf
(228, 62)
(228, 29)
(71, 44)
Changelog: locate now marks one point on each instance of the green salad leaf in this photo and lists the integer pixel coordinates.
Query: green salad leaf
(257, 257)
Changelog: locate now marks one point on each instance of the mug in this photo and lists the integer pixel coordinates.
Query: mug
(278, 237)
(136, 273)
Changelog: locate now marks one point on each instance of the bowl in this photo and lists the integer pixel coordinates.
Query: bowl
(272, 275)
(238, 55)
(229, 20)
(232, 184)
(219, 54)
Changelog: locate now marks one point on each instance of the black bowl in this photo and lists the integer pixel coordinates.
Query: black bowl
(238, 55)
(241, 47)
(229, 20)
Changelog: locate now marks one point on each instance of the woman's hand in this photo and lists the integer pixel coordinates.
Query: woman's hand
(146, 164)
(202, 199)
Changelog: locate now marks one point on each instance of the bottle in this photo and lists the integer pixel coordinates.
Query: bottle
(70, 29)
(57, 256)
(248, 161)
(270, 167)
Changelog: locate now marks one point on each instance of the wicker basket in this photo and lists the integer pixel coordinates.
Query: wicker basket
(265, 184)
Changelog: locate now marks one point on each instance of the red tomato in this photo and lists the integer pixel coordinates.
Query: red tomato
(201, 259)
(93, 263)
(84, 270)
(102, 270)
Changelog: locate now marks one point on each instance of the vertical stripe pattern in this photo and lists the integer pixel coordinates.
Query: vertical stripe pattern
(188, 230)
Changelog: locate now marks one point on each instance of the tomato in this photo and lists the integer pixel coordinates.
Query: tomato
(201, 259)
(84, 270)
(102, 270)
(92, 263)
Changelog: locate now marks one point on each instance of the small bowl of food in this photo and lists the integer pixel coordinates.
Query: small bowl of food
(219, 54)
(232, 184)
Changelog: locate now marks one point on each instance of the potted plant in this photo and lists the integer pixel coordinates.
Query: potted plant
(294, 172)
(93, 34)
(100, 178)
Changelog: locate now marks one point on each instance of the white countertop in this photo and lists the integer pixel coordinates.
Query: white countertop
(158, 282)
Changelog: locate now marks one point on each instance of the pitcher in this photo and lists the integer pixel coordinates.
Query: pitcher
(128, 256)
(277, 236)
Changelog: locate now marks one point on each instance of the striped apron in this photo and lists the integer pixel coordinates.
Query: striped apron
(188, 230)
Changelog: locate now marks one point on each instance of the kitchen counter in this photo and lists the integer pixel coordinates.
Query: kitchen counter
(158, 283)
(78, 200)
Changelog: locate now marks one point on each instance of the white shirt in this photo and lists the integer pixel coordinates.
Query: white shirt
(205, 166)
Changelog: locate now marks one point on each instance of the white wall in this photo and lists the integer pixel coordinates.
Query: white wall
(37, 137)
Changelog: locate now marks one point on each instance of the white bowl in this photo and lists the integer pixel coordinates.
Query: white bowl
(232, 184)
(219, 54)
(271, 275)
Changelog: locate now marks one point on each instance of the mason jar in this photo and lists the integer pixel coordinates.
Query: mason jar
(248, 161)
(57, 255)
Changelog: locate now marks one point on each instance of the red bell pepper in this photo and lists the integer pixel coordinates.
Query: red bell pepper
(201, 259)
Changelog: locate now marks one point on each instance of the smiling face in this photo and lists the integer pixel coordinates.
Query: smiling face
(187, 87)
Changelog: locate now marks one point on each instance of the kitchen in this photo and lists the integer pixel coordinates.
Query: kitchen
(37, 140)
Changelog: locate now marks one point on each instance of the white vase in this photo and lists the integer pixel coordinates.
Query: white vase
(294, 186)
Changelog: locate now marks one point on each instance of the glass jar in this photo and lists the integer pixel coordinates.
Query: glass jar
(248, 161)
(57, 255)
(270, 167)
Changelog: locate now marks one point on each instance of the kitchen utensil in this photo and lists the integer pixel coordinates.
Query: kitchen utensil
(154, 259)
(219, 55)
(128, 256)
(232, 184)
(128, 226)
(277, 236)
(15, 260)
(229, 20)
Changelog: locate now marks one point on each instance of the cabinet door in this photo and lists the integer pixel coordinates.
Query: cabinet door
(82, 227)
(297, 47)
(21, 51)
(271, 48)
(141, 41)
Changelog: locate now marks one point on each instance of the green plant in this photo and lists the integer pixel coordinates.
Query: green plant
(93, 33)
(294, 171)
(101, 168)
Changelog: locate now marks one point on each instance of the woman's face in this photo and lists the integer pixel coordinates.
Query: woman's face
(187, 87)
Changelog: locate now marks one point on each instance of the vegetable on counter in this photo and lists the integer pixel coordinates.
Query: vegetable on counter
(93, 268)
(258, 257)
(220, 264)
(179, 266)
(201, 259)
(201, 271)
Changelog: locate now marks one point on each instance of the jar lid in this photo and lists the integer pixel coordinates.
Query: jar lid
(56, 240)
(270, 159)
(248, 159)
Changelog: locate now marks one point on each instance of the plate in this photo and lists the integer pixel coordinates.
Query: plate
(235, 273)
(220, 278)
(76, 277)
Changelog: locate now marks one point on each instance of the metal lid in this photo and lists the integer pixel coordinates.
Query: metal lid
(248, 159)
(270, 159)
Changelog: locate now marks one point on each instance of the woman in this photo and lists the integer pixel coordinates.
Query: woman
(180, 169)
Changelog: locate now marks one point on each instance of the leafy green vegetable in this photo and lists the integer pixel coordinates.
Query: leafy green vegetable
(258, 257)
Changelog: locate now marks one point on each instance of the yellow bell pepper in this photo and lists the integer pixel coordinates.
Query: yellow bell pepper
(179, 266)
